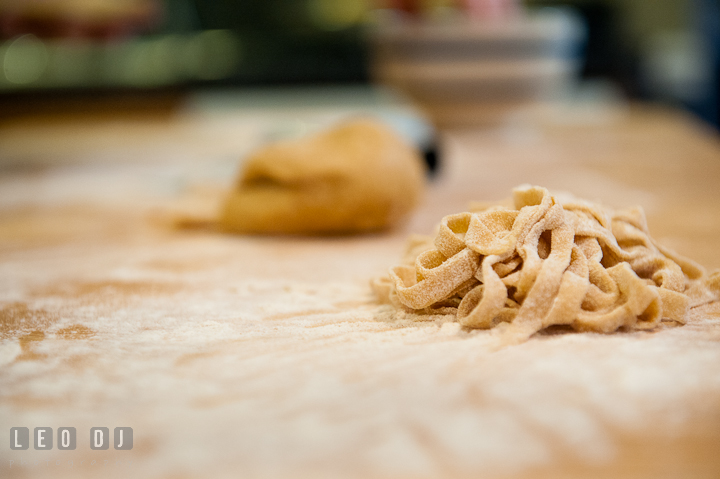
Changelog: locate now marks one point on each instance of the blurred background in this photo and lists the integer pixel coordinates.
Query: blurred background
(461, 61)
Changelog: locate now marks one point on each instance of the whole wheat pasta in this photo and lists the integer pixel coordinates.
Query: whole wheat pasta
(543, 263)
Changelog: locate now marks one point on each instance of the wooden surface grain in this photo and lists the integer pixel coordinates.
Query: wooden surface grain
(267, 357)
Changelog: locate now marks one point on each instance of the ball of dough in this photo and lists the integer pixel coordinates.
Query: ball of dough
(360, 176)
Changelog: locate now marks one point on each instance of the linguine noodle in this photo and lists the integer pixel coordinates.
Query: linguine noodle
(543, 263)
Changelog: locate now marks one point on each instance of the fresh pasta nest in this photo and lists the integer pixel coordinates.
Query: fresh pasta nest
(544, 262)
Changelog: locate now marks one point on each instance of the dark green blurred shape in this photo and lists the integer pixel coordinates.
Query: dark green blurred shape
(199, 43)
(292, 41)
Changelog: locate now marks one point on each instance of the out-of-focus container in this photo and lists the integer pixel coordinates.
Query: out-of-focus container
(466, 71)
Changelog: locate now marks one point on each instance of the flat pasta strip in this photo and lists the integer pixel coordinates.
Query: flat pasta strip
(544, 262)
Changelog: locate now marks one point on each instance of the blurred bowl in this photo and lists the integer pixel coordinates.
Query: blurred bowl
(464, 71)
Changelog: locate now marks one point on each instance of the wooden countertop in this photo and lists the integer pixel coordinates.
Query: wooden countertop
(267, 357)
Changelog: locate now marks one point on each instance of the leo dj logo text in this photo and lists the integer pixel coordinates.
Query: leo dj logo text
(99, 438)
